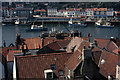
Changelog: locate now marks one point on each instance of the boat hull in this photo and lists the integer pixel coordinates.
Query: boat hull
(102, 26)
(79, 25)
(40, 29)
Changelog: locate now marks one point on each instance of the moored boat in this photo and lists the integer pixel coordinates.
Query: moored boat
(80, 23)
(103, 24)
(36, 28)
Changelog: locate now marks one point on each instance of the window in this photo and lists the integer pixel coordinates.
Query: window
(60, 73)
(52, 67)
(49, 75)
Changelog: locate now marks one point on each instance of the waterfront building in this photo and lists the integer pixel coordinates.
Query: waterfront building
(39, 13)
(110, 12)
(89, 12)
(11, 12)
(80, 12)
(117, 14)
(70, 12)
(23, 12)
(100, 12)
(19, 6)
(5, 12)
(51, 12)
(61, 13)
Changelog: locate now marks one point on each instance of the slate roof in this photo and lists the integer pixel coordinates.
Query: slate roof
(34, 66)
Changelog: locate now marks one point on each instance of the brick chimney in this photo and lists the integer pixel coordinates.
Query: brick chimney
(18, 40)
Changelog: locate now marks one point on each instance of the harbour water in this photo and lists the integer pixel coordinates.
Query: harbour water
(9, 31)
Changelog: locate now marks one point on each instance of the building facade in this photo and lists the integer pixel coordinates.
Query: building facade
(23, 12)
(52, 12)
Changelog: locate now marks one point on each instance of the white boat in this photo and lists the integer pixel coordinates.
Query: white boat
(103, 24)
(17, 21)
(36, 28)
(80, 23)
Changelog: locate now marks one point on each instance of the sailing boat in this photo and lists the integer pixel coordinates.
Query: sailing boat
(37, 28)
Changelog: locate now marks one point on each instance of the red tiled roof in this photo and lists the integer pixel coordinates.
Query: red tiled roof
(116, 50)
(32, 43)
(49, 40)
(100, 9)
(40, 10)
(5, 50)
(11, 54)
(89, 9)
(79, 9)
(106, 43)
(11, 9)
(109, 66)
(34, 66)
(117, 12)
(74, 60)
(58, 44)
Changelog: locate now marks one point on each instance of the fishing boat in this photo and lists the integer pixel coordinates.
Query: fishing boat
(103, 24)
(80, 23)
(36, 28)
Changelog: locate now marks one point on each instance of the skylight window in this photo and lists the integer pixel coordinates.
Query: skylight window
(60, 73)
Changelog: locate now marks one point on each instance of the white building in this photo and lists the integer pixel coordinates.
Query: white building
(89, 12)
(80, 13)
(110, 12)
(70, 12)
(5, 12)
(52, 12)
(61, 13)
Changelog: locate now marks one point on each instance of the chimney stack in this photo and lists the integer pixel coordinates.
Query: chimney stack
(18, 40)
(4, 43)
(23, 50)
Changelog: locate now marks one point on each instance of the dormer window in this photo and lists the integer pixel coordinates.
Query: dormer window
(48, 74)
(60, 72)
